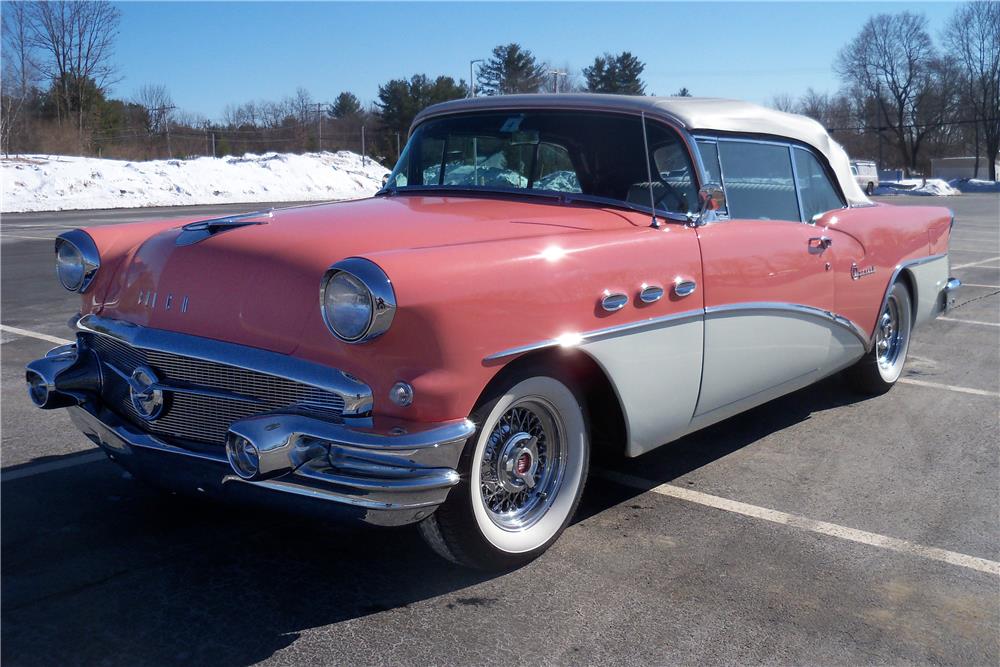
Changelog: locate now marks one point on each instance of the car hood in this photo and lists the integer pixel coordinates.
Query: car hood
(257, 284)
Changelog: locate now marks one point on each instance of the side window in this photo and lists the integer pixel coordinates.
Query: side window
(818, 193)
(759, 183)
(554, 170)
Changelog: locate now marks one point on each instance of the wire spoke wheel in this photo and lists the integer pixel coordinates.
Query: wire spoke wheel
(522, 467)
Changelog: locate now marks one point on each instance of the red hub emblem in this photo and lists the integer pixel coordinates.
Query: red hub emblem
(523, 463)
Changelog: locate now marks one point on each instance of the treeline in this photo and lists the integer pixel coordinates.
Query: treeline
(903, 101)
(54, 94)
(906, 99)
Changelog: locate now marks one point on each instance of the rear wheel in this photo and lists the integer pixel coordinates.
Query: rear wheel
(870, 188)
(522, 475)
(878, 370)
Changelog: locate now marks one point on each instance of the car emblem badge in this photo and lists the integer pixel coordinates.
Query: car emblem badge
(858, 274)
(147, 397)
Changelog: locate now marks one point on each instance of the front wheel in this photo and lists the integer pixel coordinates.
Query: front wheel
(522, 475)
(870, 189)
(878, 370)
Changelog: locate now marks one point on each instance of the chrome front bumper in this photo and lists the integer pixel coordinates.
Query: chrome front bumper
(389, 473)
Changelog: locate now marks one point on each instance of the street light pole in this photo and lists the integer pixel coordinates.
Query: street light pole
(472, 76)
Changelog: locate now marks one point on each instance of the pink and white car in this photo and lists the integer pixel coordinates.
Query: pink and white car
(540, 276)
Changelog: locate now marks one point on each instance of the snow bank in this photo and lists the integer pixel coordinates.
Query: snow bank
(56, 183)
(930, 187)
(974, 185)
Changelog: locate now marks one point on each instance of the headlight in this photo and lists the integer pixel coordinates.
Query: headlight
(77, 260)
(357, 300)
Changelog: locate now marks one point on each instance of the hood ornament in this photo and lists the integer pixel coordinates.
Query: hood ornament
(195, 232)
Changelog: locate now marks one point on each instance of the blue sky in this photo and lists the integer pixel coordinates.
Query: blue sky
(212, 54)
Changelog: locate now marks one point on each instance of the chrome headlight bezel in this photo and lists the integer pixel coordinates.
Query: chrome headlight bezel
(380, 294)
(87, 255)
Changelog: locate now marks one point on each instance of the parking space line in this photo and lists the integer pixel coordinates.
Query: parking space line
(804, 523)
(973, 250)
(964, 284)
(34, 334)
(949, 387)
(985, 324)
(985, 261)
(31, 469)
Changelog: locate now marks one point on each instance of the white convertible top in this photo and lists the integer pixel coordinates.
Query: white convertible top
(691, 113)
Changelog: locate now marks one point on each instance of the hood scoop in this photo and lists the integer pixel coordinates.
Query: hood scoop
(196, 232)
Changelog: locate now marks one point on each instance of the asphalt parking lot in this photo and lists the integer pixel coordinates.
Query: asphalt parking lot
(816, 529)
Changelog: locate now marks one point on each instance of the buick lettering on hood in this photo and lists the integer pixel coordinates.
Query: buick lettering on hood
(540, 276)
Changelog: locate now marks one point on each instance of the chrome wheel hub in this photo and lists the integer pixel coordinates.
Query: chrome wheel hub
(522, 465)
(888, 338)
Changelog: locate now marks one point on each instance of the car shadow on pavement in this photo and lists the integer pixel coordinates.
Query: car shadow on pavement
(98, 568)
(703, 447)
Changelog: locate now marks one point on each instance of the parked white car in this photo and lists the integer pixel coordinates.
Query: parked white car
(865, 172)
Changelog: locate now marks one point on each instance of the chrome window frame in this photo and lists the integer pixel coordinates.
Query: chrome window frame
(792, 146)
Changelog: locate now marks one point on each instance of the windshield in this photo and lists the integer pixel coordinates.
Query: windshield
(579, 154)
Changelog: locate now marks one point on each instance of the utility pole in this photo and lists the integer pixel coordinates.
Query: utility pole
(319, 121)
(472, 76)
(878, 123)
(165, 119)
(213, 145)
(397, 145)
(363, 152)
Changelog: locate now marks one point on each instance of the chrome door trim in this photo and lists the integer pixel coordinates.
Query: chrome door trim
(576, 339)
(798, 309)
(358, 400)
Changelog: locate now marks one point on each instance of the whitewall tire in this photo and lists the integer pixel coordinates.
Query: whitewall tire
(879, 370)
(523, 474)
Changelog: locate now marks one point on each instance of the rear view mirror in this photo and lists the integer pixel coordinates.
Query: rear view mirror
(712, 197)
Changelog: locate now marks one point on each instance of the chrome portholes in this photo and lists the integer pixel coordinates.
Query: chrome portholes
(683, 287)
(613, 301)
(523, 464)
(650, 293)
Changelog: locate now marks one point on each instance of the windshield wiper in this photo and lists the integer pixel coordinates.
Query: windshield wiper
(571, 198)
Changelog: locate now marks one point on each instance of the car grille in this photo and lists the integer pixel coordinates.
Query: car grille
(204, 419)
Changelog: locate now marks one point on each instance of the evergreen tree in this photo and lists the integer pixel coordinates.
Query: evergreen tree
(619, 74)
(683, 92)
(347, 104)
(511, 69)
(400, 100)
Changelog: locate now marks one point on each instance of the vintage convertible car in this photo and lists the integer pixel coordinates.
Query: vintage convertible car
(540, 276)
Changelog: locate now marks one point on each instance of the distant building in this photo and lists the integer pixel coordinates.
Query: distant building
(948, 168)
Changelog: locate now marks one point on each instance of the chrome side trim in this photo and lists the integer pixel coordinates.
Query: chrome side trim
(575, 339)
(358, 400)
(82, 241)
(798, 309)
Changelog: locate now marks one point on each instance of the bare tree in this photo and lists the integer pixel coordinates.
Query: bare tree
(783, 102)
(78, 38)
(156, 102)
(20, 71)
(893, 59)
(973, 38)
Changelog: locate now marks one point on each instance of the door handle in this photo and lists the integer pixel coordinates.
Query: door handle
(684, 287)
(818, 244)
